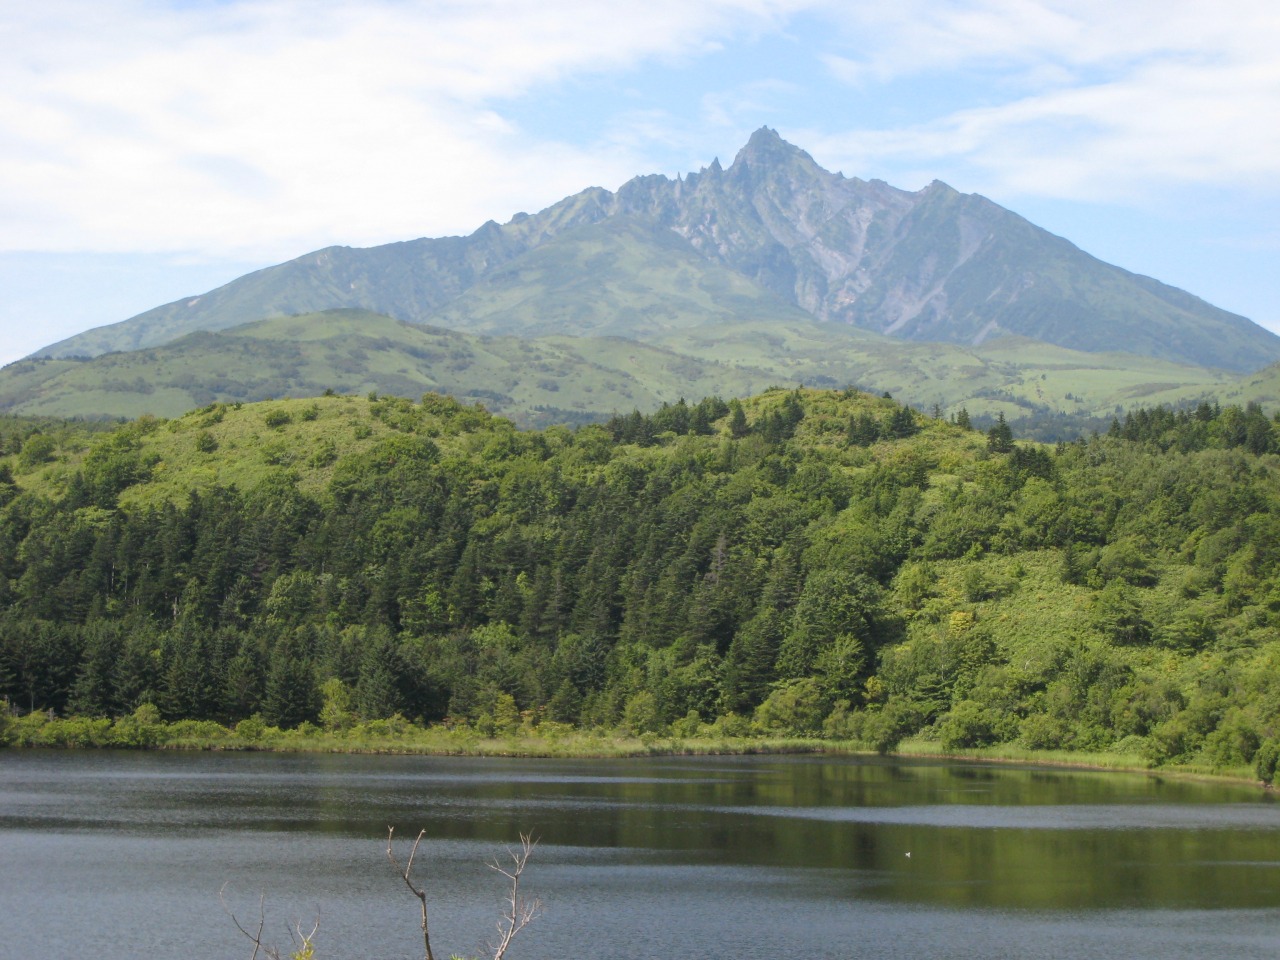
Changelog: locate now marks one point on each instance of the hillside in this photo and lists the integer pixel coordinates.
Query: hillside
(566, 379)
(549, 380)
(803, 563)
(770, 236)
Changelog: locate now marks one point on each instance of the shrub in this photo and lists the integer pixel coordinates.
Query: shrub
(640, 715)
(883, 729)
(687, 726)
(970, 724)
(1265, 761)
(730, 725)
(794, 709)
(251, 728)
(1043, 732)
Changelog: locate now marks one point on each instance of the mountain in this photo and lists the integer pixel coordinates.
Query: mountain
(772, 236)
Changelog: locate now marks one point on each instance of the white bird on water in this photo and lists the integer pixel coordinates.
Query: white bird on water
(908, 853)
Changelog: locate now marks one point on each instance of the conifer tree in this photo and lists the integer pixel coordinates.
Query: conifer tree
(1000, 436)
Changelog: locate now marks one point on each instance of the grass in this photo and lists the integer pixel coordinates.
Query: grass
(143, 730)
(551, 741)
(349, 351)
(558, 378)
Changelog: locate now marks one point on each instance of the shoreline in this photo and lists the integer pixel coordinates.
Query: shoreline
(1050, 760)
(80, 734)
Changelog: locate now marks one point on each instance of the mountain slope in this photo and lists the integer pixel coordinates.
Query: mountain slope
(557, 378)
(927, 265)
(549, 380)
(621, 277)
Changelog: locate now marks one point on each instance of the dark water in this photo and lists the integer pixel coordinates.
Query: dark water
(121, 855)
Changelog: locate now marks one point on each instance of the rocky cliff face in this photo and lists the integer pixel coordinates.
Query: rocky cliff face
(933, 264)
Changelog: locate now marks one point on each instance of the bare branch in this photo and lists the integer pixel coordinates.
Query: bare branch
(405, 874)
(302, 941)
(304, 951)
(256, 937)
(520, 912)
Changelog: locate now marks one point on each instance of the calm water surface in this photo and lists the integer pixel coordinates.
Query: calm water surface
(119, 856)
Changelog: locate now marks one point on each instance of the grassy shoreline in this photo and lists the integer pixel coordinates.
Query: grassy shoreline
(549, 741)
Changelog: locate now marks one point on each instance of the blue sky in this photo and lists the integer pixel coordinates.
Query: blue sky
(151, 150)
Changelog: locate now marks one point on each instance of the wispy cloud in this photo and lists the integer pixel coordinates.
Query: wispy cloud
(1086, 100)
(258, 126)
(263, 128)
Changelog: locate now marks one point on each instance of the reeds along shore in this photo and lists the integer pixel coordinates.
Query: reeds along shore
(396, 736)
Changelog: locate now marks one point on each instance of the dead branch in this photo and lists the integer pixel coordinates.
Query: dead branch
(262, 919)
(420, 894)
(520, 912)
(301, 941)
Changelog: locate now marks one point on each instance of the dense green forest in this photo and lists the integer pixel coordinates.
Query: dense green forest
(802, 563)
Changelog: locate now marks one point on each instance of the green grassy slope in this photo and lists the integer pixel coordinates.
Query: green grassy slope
(243, 445)
(563, 378)
(351, 351)
(1262, 387)
(1012, 375)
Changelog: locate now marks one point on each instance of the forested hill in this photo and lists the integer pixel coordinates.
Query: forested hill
(802, 562)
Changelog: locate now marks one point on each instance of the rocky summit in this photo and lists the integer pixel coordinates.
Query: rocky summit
(772, 237)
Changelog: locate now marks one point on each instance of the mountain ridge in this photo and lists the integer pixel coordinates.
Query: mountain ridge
(934, 264)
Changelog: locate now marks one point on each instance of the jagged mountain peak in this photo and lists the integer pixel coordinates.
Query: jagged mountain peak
(933, 264)
(767, 148)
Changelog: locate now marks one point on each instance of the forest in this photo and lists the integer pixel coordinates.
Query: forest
(802, 563)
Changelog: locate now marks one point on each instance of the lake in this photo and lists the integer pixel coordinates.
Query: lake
(118, 856)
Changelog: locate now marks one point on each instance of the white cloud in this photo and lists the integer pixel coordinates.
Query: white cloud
(262, 128)
(747, 105)
(257, 127)
(1094, 100)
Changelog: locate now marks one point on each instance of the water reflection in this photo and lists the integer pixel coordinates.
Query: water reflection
(736, 857)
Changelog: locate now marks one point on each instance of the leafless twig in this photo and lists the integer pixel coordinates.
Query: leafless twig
(262, 920)
(520, 912)
(405, 874)
(302, 941)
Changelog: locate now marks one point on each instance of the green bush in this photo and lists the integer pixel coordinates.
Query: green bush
(728, 726)
(970, 724)
(640, 715)
(251, 728)
(795, 708)
(1265, 761)
(1043, 732)
(884, 729)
